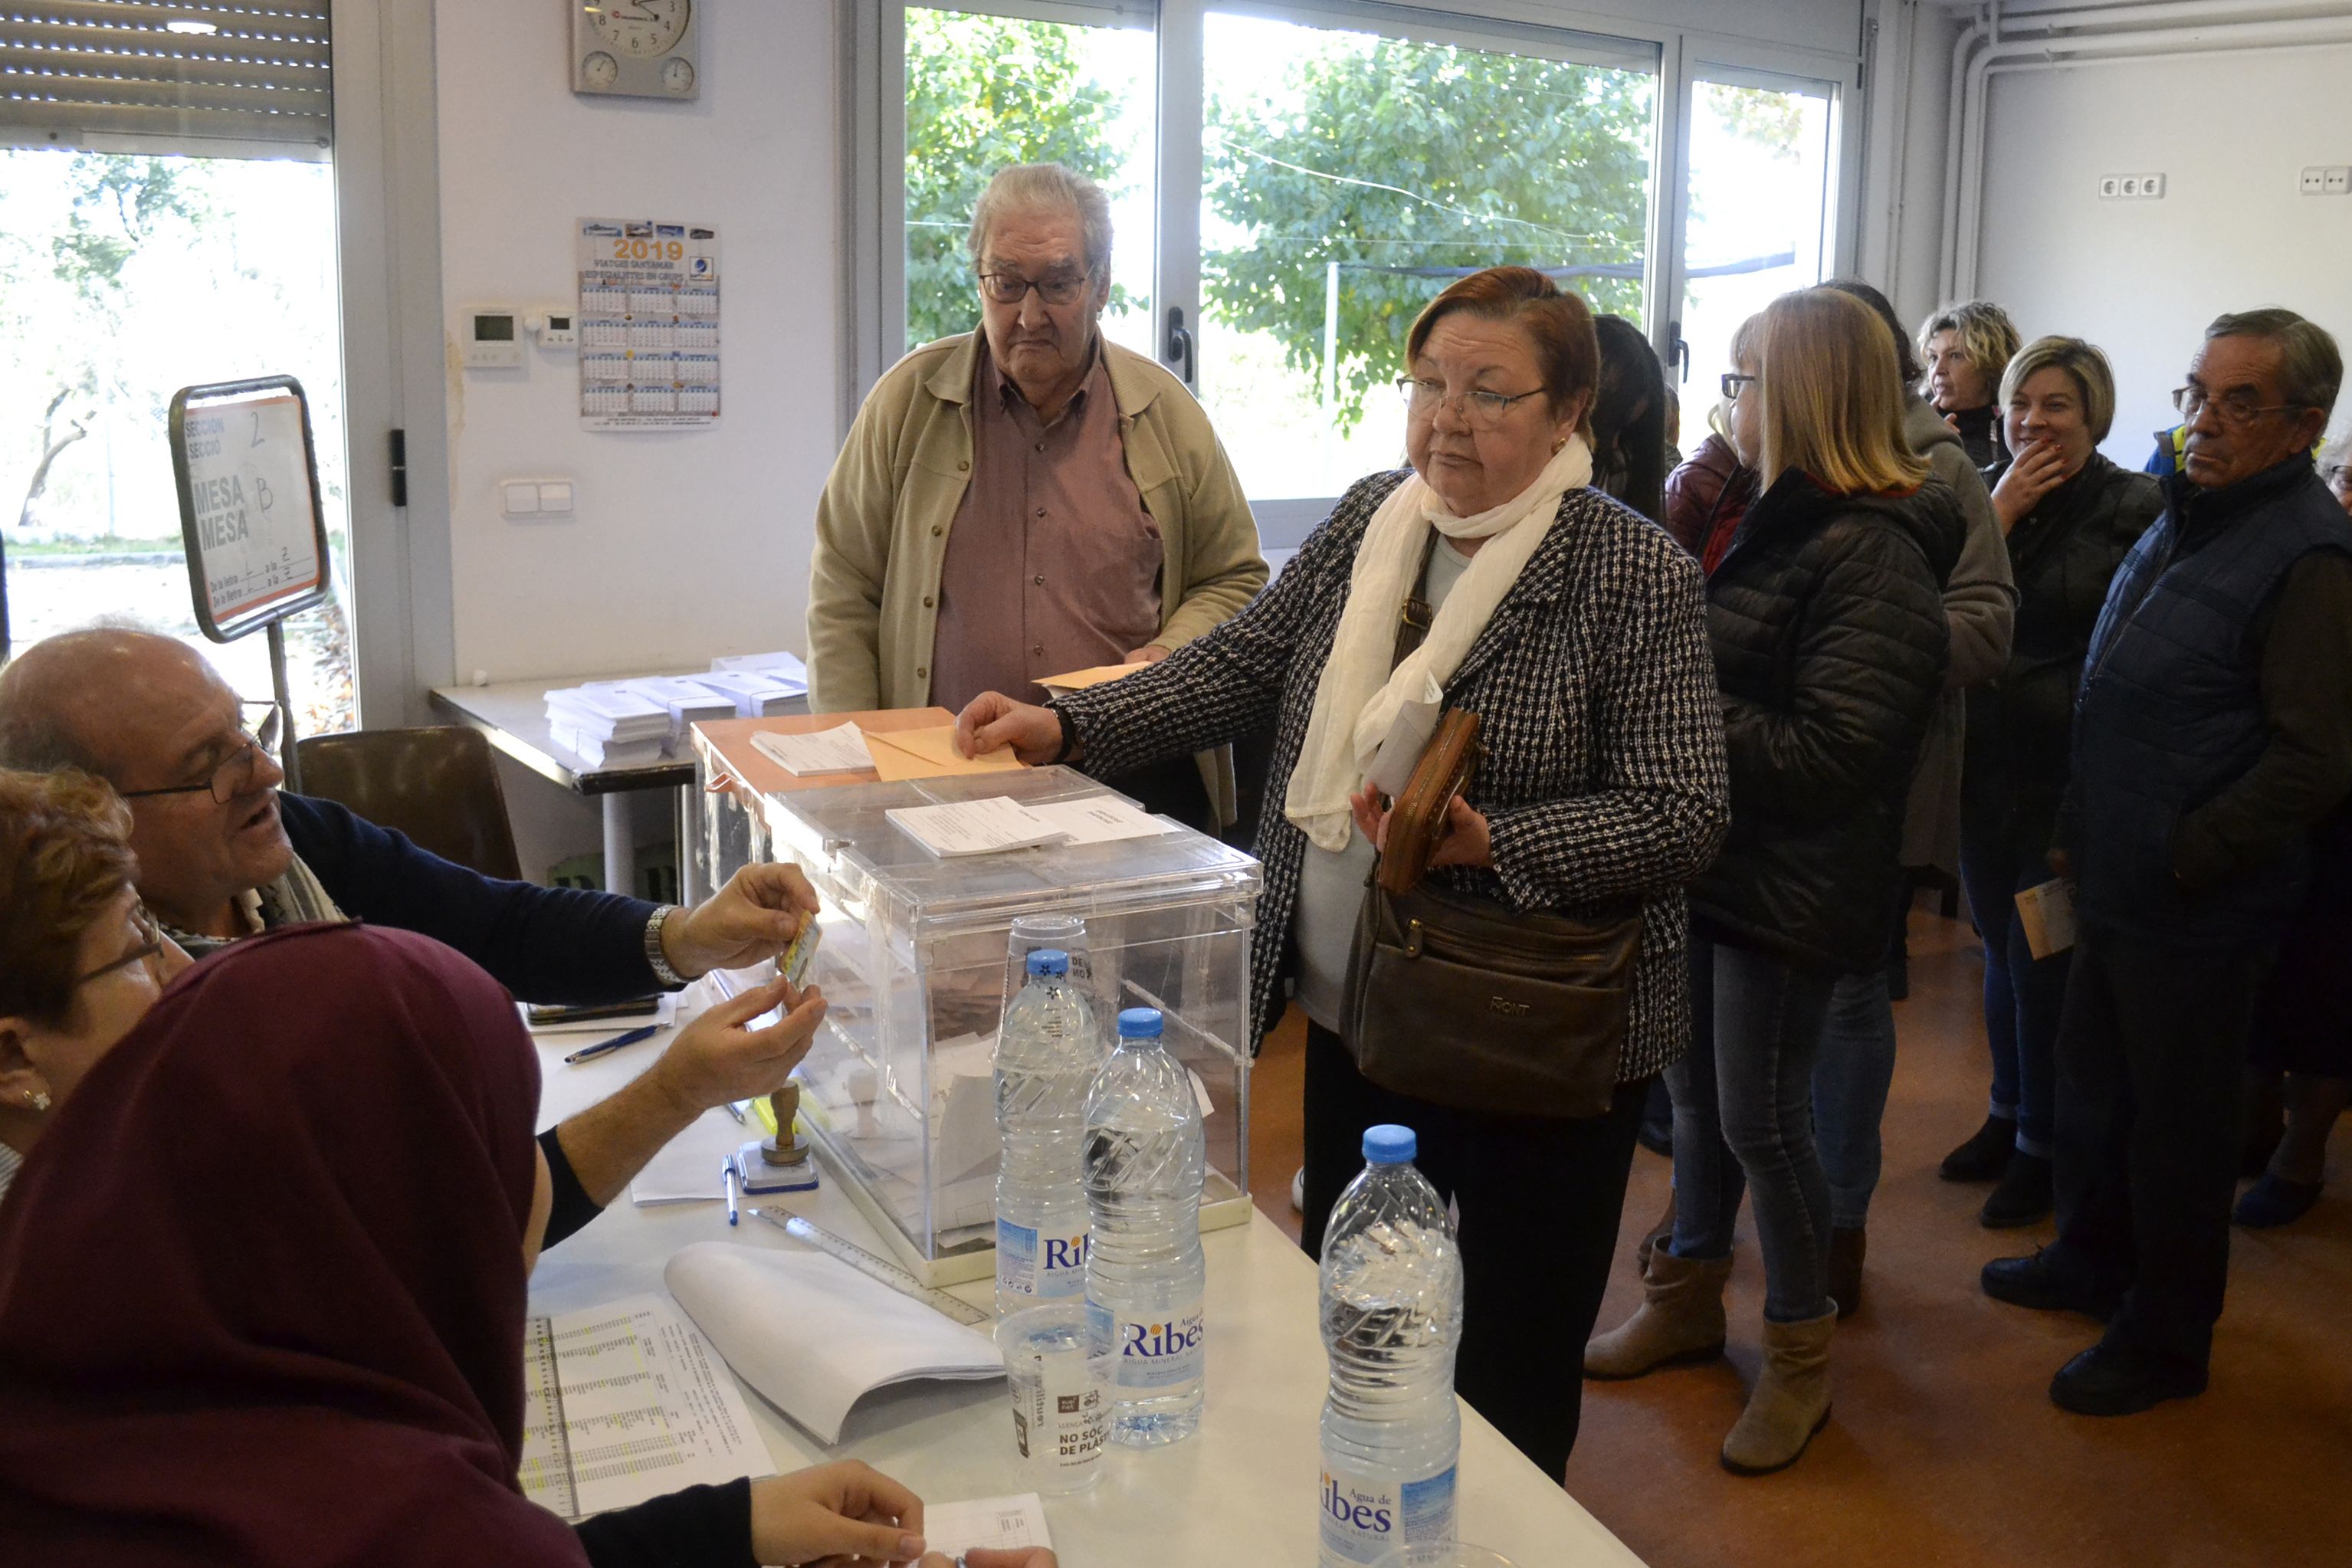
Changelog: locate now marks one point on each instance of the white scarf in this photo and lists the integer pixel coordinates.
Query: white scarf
(1357, 697)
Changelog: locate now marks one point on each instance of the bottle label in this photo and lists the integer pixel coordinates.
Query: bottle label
(1163, 1351)
(1365, 1519)
(1051, 1265)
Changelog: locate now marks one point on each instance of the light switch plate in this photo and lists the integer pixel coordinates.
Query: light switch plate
(520, 499)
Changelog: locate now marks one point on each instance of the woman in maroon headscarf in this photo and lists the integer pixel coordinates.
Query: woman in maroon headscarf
(262, 1293)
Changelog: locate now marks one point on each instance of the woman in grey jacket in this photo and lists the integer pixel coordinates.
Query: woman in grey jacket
(1573, 628)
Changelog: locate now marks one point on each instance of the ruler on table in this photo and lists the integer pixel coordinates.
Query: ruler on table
(873, 1267)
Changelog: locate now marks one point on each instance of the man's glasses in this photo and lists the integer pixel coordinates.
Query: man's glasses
(1734, 383)
(1482, 410)
(2234, 409)
(233, 775)
(1008, 288)
(150, 943)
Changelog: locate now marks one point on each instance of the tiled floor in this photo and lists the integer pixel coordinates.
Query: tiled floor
(1944, 1447)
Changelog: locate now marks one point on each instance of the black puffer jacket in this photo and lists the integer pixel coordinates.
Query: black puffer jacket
(2020, 723)
(1827, 620)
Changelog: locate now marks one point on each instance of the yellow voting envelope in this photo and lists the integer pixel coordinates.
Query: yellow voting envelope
(930, 755)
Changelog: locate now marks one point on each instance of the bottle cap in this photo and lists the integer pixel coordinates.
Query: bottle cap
(1389, 1144)
(1139, 1024)
(1048, 961)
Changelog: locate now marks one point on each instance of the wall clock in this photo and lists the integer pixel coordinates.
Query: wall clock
(636, 48)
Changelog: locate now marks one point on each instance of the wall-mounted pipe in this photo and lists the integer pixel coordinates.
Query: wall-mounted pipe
(1964, 203)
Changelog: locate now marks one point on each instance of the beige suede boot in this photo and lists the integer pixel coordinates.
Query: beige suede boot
(1680, 1319)
(1657, 1236)
(1790, 1401)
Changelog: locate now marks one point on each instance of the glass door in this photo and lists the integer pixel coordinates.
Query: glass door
(1760, 214)
(1350, 172)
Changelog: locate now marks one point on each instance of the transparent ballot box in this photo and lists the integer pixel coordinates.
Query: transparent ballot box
(919, 959)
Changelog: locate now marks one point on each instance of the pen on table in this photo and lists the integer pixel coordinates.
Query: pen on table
(735, 1110)
(727, 1174)
(586, 1052)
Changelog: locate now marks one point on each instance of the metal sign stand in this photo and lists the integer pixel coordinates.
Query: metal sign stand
(235, 462)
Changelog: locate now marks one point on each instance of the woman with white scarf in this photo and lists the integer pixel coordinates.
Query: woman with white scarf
(1574, 628)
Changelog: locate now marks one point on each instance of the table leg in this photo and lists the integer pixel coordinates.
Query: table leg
(620, 846)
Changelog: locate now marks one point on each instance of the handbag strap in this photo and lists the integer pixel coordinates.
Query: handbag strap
(1415, 618)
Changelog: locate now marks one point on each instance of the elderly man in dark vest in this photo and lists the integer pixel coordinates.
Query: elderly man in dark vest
(2213, 730)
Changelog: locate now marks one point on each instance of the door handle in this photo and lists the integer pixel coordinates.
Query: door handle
(1179, 348)
(1678, 349)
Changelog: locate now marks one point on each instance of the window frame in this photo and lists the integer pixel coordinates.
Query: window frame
(874, 136)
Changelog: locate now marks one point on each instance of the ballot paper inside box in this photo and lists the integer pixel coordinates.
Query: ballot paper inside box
(900, 1093)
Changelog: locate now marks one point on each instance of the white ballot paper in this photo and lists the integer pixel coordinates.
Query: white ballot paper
(840, 750)
(687, 1169)
(1409, 735)
(1099, 819)
(625, 1402)
(975, 826)
(814, 1335)
(989, 1523)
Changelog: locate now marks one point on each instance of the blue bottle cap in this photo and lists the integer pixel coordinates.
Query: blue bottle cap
(1389, 1144)
(1139, 1024)
(1048, 961)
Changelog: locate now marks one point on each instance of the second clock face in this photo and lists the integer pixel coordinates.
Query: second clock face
(645, 28)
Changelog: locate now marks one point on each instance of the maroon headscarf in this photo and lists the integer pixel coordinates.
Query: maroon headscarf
(262, 1281)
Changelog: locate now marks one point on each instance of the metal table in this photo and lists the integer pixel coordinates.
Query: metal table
(513, 715)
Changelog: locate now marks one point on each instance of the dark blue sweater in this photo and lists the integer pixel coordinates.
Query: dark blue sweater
(544, 944)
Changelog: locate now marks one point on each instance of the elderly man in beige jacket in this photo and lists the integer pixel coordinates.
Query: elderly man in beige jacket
(1028, 499)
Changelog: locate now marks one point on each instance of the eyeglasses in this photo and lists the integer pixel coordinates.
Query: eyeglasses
(2233, 409)
(1734, 383)
(233, 774)
(1481, 410)
(151, 942)
(1009, 287)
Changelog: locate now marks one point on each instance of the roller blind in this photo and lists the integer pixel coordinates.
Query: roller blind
(203, 77)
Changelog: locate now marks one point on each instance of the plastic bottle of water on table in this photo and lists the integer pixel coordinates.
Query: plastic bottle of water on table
(1145, 1275)
(1391, 1296)
(1047, 1054)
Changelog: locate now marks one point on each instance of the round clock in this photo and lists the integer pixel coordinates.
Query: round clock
(644, 28)
(677, 74)
(600, 69)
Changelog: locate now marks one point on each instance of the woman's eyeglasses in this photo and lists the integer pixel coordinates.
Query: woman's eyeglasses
(1734, 383)
(233, 775)
(1481, 410)
(150, 943)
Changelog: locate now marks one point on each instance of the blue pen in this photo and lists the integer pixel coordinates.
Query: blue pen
(727, 1174)
(587, 1053)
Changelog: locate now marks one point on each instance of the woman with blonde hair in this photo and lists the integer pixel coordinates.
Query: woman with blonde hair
(1965, 350)
(1828, 636)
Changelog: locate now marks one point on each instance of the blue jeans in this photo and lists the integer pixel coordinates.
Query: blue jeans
(1744, 1116)
(1850, 1084)
(2022, 994)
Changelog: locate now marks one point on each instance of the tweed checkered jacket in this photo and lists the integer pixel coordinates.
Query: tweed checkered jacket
(1604, 777)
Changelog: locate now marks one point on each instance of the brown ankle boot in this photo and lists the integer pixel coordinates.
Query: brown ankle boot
(1680, 1319)
(1790, 1401)
(1846, 1247)
(1656, 1235)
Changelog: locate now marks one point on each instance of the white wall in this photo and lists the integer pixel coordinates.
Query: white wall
(684, 544)
(2140, 279)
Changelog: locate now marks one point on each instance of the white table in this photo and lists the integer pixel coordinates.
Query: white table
(1242, 1494)
(513, 715)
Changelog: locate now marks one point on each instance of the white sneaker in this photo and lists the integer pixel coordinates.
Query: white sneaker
(1299, 1191)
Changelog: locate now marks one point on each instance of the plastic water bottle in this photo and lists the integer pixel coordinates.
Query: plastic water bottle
(1047, 1053)
(1391, 1290)
(1145, 1277)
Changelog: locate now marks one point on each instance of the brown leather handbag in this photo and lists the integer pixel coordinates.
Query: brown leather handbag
(1457, 999)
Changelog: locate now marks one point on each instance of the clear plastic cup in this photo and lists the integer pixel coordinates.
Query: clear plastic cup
(1029, 933)
(1061, 1396)
(1451, 1556)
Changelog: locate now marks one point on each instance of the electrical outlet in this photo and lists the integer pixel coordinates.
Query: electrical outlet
(2315, 181)
(2338, 182)
(2151, 186)
(2110, 186)
(2131, 187)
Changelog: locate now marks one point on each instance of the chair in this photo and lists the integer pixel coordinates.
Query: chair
(438, 785)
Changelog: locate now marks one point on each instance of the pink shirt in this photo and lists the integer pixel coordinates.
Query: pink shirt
(1052, 563)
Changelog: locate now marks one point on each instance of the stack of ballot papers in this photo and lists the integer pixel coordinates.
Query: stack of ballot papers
(686, 698)
(756, 693)
(840, 750)
(961, 827)
(814, 1335)
(786, 667)
(609, 726)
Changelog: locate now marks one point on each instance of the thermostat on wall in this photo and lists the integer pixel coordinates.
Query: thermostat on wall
(554, 326)
(493, 336)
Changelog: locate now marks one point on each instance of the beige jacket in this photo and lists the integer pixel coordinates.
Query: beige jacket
(882, 525)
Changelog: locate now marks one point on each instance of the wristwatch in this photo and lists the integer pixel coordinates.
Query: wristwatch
(655, 960)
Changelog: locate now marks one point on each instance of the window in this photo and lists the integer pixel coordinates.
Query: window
(982, 91)
(167, 217)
